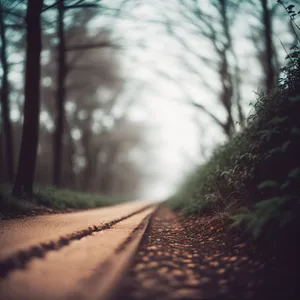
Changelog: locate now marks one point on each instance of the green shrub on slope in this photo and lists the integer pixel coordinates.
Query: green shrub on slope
(256, 175)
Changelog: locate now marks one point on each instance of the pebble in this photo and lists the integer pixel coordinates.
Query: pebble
(163, 270)
(153, 264)
(178, 273)
(186, 294)
(192, 282)
(204, 280)
(139, 267)
(221, 271)
(214, 263)
(149, 283)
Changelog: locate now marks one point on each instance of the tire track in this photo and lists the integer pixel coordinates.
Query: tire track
(20, 259)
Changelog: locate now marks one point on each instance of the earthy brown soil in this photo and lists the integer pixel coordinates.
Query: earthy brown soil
(195, 258)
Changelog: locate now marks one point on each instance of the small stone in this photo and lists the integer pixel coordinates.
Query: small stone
(178, 273)
(192, 282)
(153, 264)
(204, 280)
(225, 258)
(214, 264)
(152, 248)
(145, 258)
(163, 270)
(139, 267)
(186, 294)
(189, 272)
(149, 283)
(221, 271)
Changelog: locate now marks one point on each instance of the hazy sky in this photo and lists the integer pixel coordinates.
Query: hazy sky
(154, 57)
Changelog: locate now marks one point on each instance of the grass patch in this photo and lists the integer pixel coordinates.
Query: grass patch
(52, 198)
(10, 206)
(63, 198)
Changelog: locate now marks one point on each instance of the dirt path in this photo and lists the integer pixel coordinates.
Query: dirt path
(192, 259)
(22, 234)
(70, 256)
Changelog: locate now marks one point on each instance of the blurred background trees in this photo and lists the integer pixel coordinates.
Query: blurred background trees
(79, 108)
(114, 76)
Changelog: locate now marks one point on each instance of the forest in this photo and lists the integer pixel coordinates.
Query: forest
(62, 119)
(191, 103)
(66, 99)
(65, 121)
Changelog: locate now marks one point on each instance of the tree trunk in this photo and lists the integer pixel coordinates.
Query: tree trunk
(6, 123)
(29, 143)
(60, 98)
(2, 176)
(106, 178)
(225, 72)
(70, 180)
(269, 54)
(86, 143)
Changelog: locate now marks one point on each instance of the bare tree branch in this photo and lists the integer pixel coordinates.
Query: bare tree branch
(201, 107)
(104, 44)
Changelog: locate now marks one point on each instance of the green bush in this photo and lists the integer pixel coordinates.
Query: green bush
(255, 177)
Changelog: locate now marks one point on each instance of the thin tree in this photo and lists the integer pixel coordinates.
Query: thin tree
(4, 96)
(269, 53)
(60, 96)
(28, 151)
(2, 175)
(262, 37)
(62, 72)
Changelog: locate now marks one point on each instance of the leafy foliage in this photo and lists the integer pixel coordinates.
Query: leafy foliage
(256, 174)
